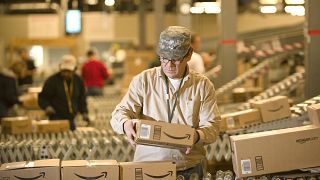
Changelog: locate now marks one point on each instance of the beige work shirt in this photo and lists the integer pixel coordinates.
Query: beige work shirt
(196, 106)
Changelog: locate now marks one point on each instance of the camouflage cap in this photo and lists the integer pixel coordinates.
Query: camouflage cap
(174, 42)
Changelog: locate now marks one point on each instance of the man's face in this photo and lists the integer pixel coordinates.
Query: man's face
(174, 69)
(66, 74)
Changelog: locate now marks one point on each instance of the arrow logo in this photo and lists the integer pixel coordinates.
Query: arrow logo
(161, 176)
(42, 174)
(103, 174)
(277, 109)
(187, 136)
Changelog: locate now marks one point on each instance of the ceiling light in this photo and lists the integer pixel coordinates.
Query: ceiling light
(268, 9)
(109, 2)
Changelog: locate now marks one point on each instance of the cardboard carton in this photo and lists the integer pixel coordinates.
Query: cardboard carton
(243, 94)
(41, 169)
(275, 151)
(314, 114)
(36, 114)
(147, 170)
(241, 119)
(273, 109)
(91, 169)
(164, 134)
(16, 125)
(53, 126)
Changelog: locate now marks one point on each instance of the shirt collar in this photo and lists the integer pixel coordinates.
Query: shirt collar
(160, 73)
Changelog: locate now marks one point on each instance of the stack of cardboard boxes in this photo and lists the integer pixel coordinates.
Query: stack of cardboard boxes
(88, 169)
(264, 111)
(23, 124)
(278, 150)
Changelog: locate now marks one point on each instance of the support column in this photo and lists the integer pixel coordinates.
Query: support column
(184, 19)
(159, 13)
(312, 48)
(142, 24)
(227, 53)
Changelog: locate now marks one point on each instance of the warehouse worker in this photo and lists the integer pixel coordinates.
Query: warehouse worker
(196, 62)
(175, 94)
(94, 72)
(8, 91)
(63, 94)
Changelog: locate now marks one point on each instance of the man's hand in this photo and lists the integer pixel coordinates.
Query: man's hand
(86, 118)
(129, 130)
(195, 140)
(49, 110)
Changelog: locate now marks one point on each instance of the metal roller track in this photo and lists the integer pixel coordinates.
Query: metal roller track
(254, 72)
(283, 87)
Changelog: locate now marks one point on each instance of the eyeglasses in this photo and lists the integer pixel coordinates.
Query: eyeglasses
(166, 61)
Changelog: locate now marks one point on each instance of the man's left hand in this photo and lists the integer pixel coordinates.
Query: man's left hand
(195, 140)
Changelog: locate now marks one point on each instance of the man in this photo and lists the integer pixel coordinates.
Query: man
(28, 71)
(196, 62)
(171, 93)
(63, 94)
(94, 73)
(8, 92)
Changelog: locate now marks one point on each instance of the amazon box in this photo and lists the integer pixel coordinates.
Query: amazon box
(91, 169)
(147, 170)
(275, 151)
(240, 119)
(164, 134)
(41, 169)
(314, 114)
(53, 126)
(274, 108)
(16, 125)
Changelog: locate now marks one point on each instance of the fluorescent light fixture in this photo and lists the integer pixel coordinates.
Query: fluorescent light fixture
(268, 9)
(270, 1)
(212, 10)
(92, 2)
(196, 10)
(109, 2)
(185, 8)
(207, 7)
(295, 1)
(295, 10)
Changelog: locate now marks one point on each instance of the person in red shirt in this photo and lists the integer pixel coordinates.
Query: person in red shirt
(94, 72)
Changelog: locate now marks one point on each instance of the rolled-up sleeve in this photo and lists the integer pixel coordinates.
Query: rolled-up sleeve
(209, 116)
(130, 106)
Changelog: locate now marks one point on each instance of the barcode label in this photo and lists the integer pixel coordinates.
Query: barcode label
(145, 131)
(246, 166)
(230, 122)
(157, 133)
(138, 174)
(259, 163)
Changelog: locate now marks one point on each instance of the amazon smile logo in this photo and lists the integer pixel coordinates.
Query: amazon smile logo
(161, 176)
(41, 174)
(187, 136)
(276, 109)
(103, 174)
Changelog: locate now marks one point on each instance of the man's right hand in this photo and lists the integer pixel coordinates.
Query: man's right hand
(49, 110)
(129, 130)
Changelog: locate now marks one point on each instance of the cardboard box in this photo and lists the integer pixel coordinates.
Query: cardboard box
(275, 151)
(52, 126)
(164, 134)
(41, 169)
(274, 108)
(30, 100)
(36, 114)
(314, 114)
(241, 119)
(16, 125)
(243, 94)
(148, 170)
(91, 169)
